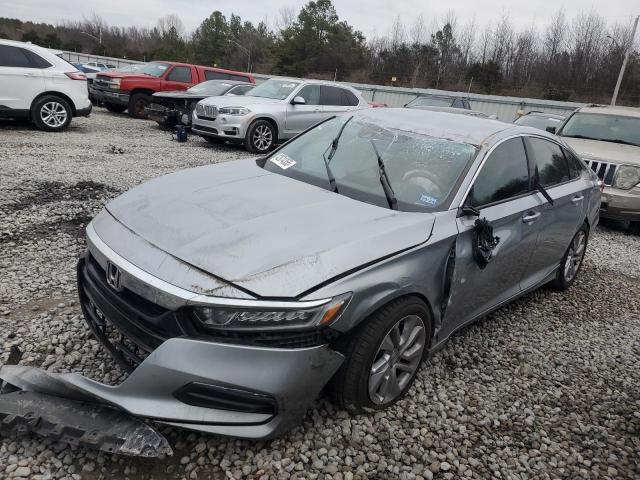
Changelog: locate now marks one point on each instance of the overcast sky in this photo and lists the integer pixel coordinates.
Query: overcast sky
(371, 16)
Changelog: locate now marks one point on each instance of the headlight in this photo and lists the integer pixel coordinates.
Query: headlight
(627, 176)
(229, 318)
(233, 111)
(115, 83)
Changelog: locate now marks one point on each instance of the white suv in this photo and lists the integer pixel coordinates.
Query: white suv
(38, 84)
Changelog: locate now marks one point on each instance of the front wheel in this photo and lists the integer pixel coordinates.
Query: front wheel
(261, 137)
(572, 260)
(51, 113)
(137, 104)
(383, 356)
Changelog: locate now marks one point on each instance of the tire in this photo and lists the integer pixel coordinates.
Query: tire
(115, 107)
(634, 228)
(261, 137)
(354, 385)
(51, 113)
(572, 260)
(137, 103)
(215, 140)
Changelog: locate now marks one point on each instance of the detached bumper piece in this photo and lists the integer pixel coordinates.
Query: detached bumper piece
(80, 424)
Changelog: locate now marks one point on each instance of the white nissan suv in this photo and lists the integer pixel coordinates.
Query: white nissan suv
(36, 83)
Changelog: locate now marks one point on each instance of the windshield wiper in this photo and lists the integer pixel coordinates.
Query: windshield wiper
(541, 189)
(623, 142)
(384, 180)
(332, 152)
(580, 136)
(334, 142)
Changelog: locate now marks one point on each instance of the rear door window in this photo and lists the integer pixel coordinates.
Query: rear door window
(505, 174)
(551, 166)
(180, 74)
(330, 95)
(575, 166)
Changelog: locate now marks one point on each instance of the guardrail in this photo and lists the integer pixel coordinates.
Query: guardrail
(75, 57)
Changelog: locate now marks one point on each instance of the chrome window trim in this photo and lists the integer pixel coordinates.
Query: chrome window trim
(182, 296)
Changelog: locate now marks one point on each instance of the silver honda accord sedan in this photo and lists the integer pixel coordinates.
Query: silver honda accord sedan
(235, 293)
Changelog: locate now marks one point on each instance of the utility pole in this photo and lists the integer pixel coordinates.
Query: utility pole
(624, 62)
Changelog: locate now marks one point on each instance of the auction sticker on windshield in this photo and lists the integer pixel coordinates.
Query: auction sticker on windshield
(283, 161)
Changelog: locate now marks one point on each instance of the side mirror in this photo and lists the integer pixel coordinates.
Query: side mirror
(551, 129)
(469, 211)
(298, 100)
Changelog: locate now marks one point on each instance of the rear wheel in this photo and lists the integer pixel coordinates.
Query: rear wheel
(115, 107)
(137, 104)
(572, 260)
(383, 356)
(51, 113)
(261, 137)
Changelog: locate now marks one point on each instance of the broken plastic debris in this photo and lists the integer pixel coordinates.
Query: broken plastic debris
(80, 423)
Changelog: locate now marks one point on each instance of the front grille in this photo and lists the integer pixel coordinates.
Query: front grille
(605, 171)
(129, 326)
(103, 82)
(207, 111)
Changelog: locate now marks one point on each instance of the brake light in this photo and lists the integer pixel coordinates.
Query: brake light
(76, 75)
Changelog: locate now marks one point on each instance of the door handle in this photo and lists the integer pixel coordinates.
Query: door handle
(316, 109)
(577, 199)
(530, 217)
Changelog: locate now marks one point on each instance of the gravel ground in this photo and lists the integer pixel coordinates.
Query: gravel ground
(547, 387)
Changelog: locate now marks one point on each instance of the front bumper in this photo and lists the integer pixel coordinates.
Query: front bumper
(193, 382)
(620, 204)
(243, 382)
(118, 97)
(223, 126)
(84, 112)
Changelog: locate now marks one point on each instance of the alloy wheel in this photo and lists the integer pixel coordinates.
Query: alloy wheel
(53, 114)
(262, 137)
(574, 256)
(397, 359)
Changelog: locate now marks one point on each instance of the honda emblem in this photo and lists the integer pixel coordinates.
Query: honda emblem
(113, 276)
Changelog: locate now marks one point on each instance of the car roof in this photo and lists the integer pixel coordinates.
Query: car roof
(544, 114)
(228, 82)
(451, 126)
(611, 110)
(313, 81)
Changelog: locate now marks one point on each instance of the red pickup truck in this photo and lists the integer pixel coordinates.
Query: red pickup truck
(132, 90)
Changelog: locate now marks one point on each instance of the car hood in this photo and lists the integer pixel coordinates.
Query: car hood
(238, 101)
(607, 151)
(266, 233)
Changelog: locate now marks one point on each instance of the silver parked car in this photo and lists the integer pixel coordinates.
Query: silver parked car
(275, 110)
(235, 292)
